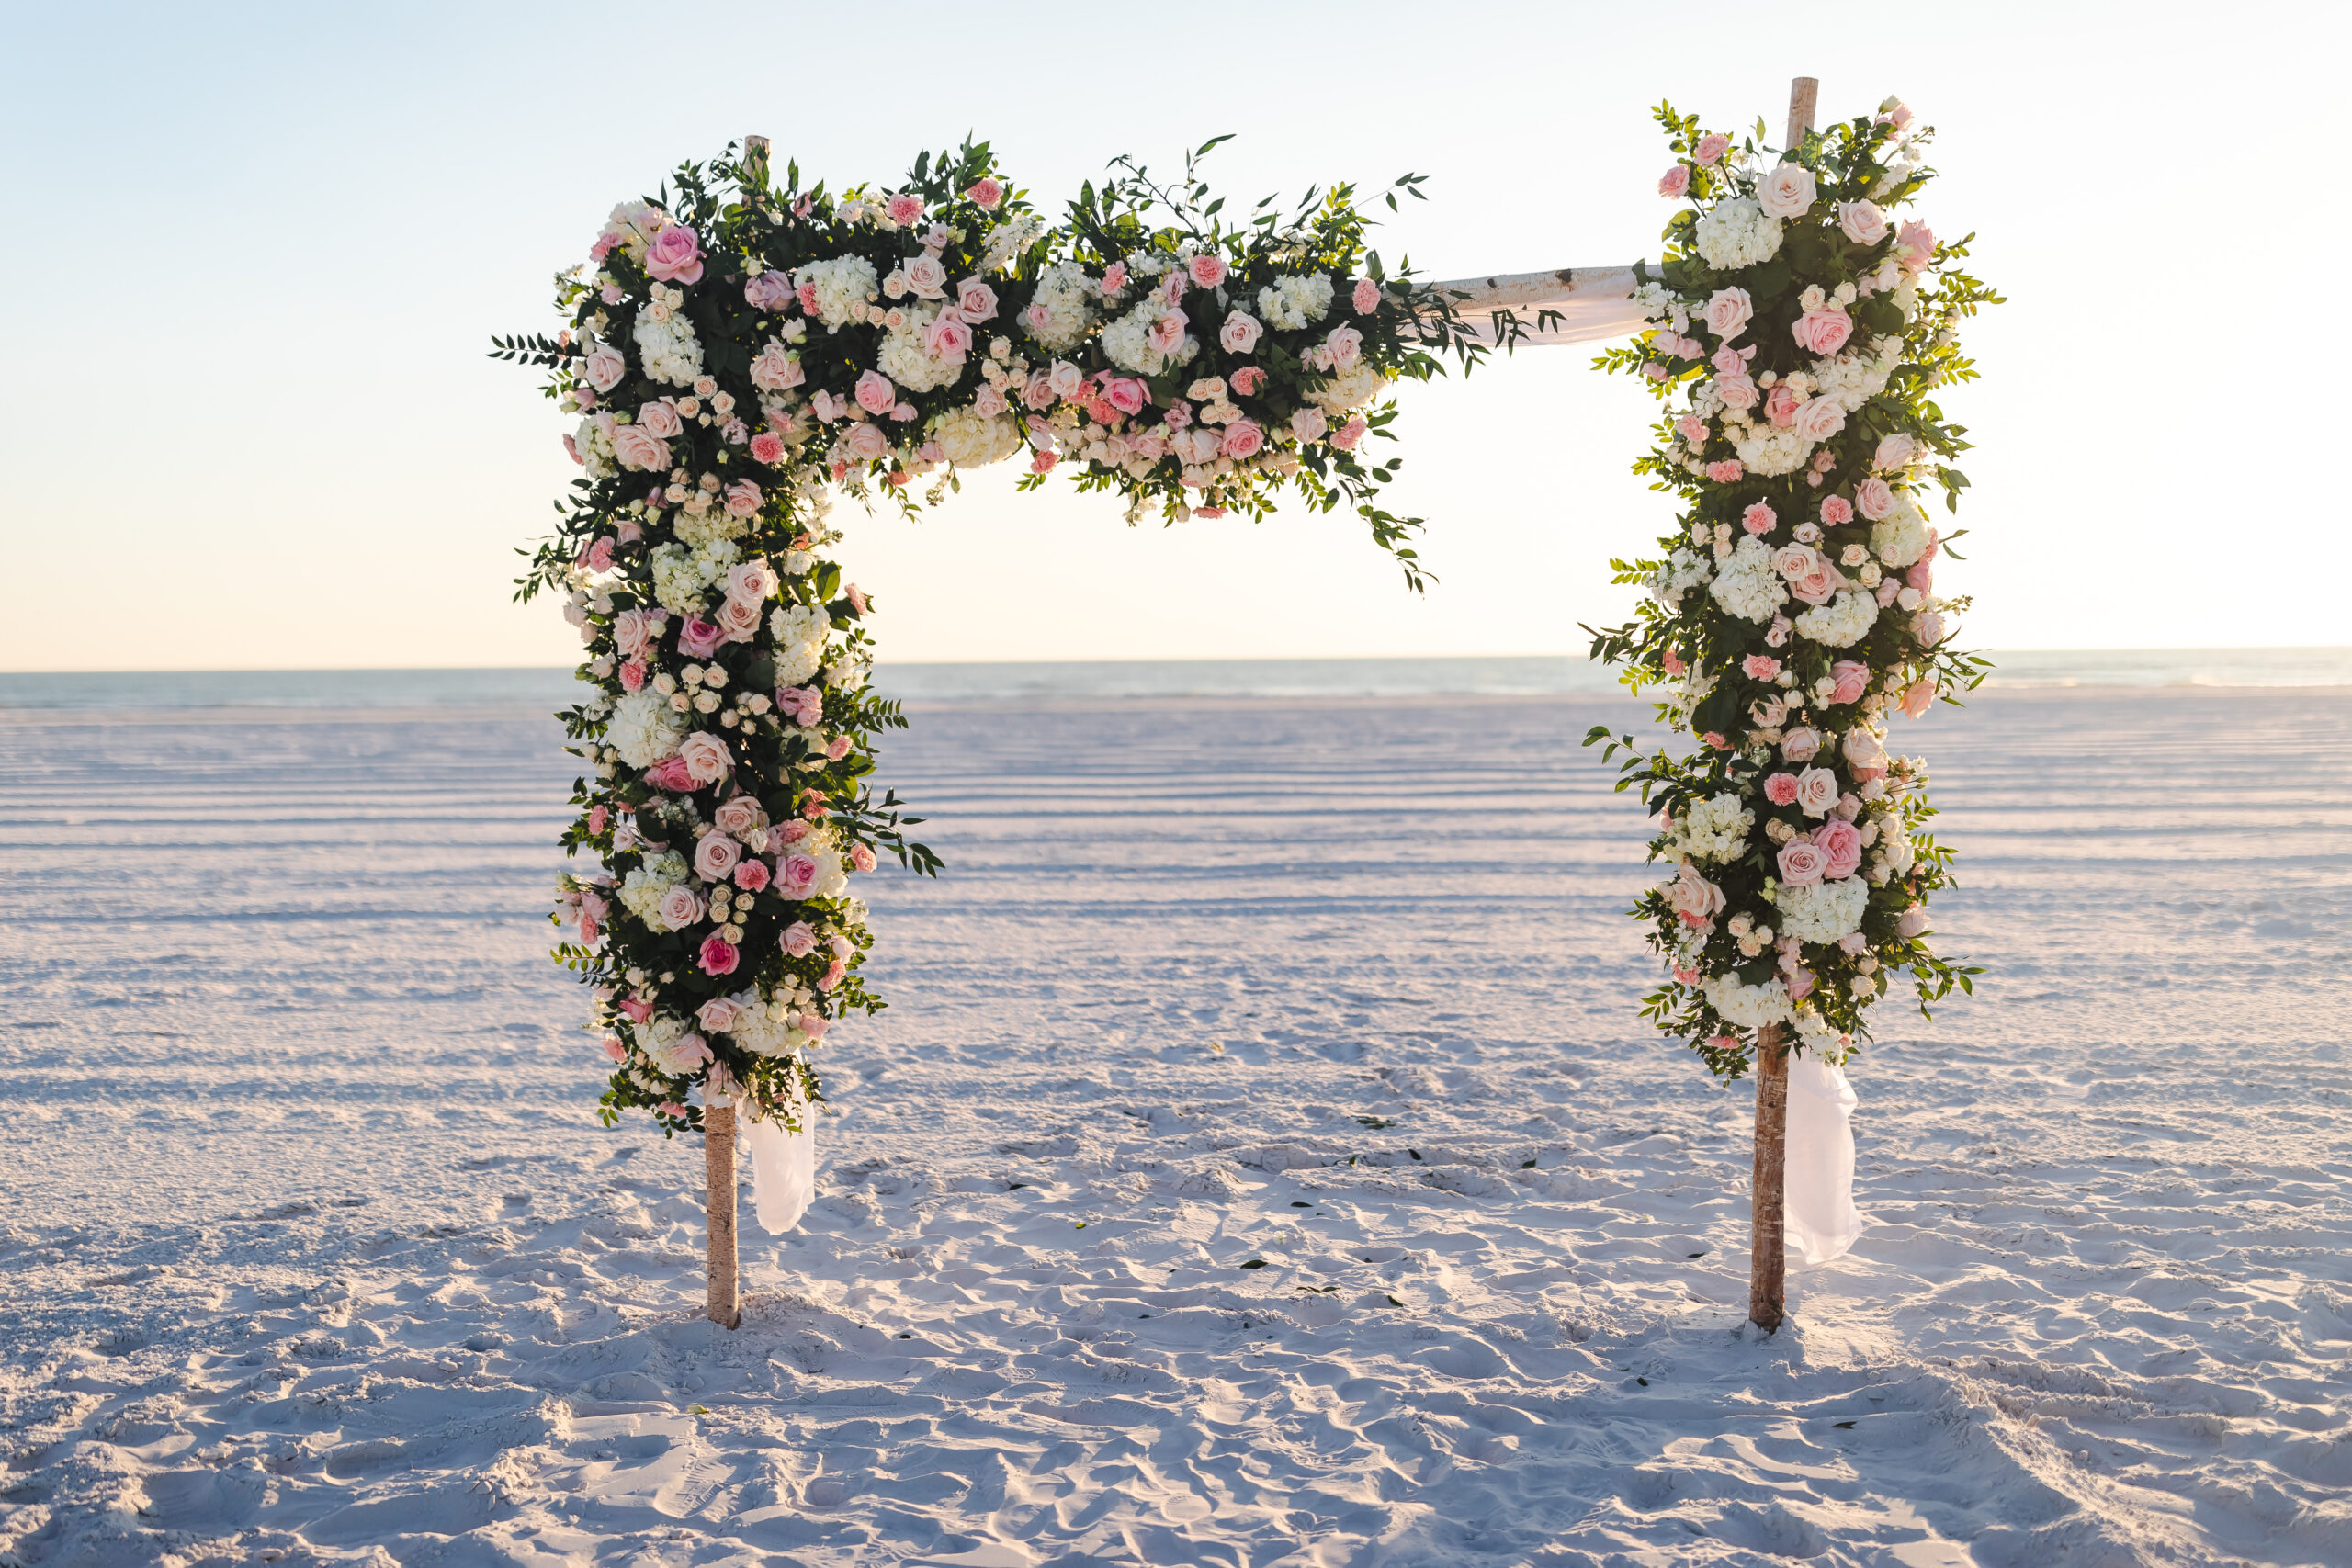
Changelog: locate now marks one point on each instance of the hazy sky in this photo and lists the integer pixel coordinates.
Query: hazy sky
(248, 421)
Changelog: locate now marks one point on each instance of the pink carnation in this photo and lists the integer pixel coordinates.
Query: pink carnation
(767, 447)
(1725, 472)
(987, 192)
(1247, 379)
(1365, 296)
(1781, 789)
(751, 876)
(1836, 510)
(1208, 271)
(1760, 667)
(1759, 519)
(903, 208)
(1675, 184)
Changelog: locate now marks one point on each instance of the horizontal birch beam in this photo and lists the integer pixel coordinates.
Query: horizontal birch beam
(1592, 302)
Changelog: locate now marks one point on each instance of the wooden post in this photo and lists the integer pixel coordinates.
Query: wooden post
(722, 1304)
(1768, 1191)
(1802, 94)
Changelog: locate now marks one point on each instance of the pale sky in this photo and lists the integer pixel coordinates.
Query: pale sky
(247, 421)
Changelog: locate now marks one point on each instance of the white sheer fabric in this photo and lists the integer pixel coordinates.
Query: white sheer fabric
(784, 1171)
(1820, 1221)
(1592, 304)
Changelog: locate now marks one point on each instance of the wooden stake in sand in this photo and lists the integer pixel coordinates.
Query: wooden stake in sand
(1768, 1259)
(718, 1181)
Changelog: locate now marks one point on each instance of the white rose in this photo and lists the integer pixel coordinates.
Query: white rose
(1863, 221)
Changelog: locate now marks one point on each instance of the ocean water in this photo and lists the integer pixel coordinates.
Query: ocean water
(965, 683)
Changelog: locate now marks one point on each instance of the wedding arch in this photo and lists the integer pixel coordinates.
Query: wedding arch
(743, 351)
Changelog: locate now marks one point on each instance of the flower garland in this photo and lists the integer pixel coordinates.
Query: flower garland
(742, 354)
(1803, 324)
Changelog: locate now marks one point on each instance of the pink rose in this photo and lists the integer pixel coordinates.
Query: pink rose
(1841, 842)
(795, 873)
(947, 337)
(1725, 472)
(1674, 183)
(638, 1012)
(1347, 436)
(1788, 191)
(1874, 498)
(1240, 334)
(1208, 271)
(675, 255)
(1802, 863)
(681, 907)
(1781, 789)
(875, 392)
(1853, 679)
(975, 299)
(769, 291)
(833, 975)
(798, 939)
(1759, 519)
(1308, 423)
(715, 856)
(1836, 510)
(1711, 147)
(1365, 296)
(718, 1015)
(986, 193)
(1921, 576)
(1166, 334)
(1819, 419)
(1863, 221)
(637, 447)
(1915, 247)
(1125, 394)
(1344, 346)
(1728, 312)
(718, 957)
(1822, 332)
(751, 876)
(699, 638)
(837, 747)
(1243, 439)
(660, 419)
(767, 447)
(706, 756)
(1887, 589)
(1929, 628)
(738, 620)
(813, 1025)
(605, 368)
(742, 499)
(802, 705)
(1917, 697)
(865, 441)
(1912, 922)
(1817, 791)
(1781, 405)
(1693, 897)
(1736, 392)
(856, 597)
(1894, 452)
(737, 815)
(776, 369)
(614, 1049)
(1800, 981)
(861, 857)
(1247, 379)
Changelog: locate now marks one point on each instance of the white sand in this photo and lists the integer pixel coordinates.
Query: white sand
(310, 1247)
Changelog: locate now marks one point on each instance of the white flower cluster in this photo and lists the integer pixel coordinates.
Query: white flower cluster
(1717, 829)
(1745, 584)
(1063, 310)
(1737, 234)
(1347, 389)
(667, 347)
(1749, 1006)
(1677, 575)
(1291, 303)
(1126, 342)
(643, 890)
(644, 728)
(593, 442)
(1842, 622)
(1768, 451)
(1900, 537)
(800, 632)
(680, 574)
(1855, 377)
(844, 286)
(1007, 240)
(971, 439)
(904, 357)
(1822, 911)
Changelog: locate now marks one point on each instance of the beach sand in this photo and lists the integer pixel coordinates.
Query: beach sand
(1263, 1163)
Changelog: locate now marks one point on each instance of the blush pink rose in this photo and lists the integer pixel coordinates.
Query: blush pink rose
(1364, 297)
(1823, 331)
(1759, 667)
(681, 907)
(1917, 697)
(865, 441)
(975, 299)
(1817, 791)
(837, 747)
(718, 1015)
(1864, 222)
(638, 1011)
(1915, 247)
(1759, 519)
(875, 393)
(776, 369)
(715, 856)
(605, 368)
(795, 873)
(632, 633)
(1693, 897)
(1802, 863)
(769, 291)
(1167, 334)
(718, 957)
(1781, 789)
(738, 620)
(861, 857)
(1800, 982)
(987, 192)
(637, 447)
(1125, 394)
(1737, 391)
(1728, 312)
(1802, 744)
(1894, 452)
(737, 815)
(1344, 346)
(661, 418)
(742, 499)
(1819, 419)
(1310, 424)
(671, 774)
(1853, 678)
(928, 277)
(1874, 498)
(1711, 147)
(1240, 334)
(1243, 439)
(706, 756)
(1841, 842)
(1781, 405)
(1208, 271)
(1674, 183)
(1912, 922)
(675, 257)
(948, 337)
(798, 939)
(802, 705)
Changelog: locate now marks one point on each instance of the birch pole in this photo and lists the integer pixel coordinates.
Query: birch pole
(721, 1303)
(1768, 1260)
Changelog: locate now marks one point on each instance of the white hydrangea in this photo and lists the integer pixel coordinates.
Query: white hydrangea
(973, 440)
(1841, 622)
(680, 574)
(596, 448)
(641, 891)
(1745, 585)
(713, 526)
(1895, 851)
(1291, 303)
(1820, 1036)
(1066, 295)
(1749, 1006)
(842, 283)
(904, 360)
(1008, 239)
(1738, 233)
(1823, 911)
(1857, 376)
(1349, 390)
(800, 632)
(824, 847)
(1900, 537)
(669, 349)
(660, 1037)
(1128, 343)
(1715, 829)
(765, 1025)
(644, 728)
(1677, 575)
(1766, 451)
